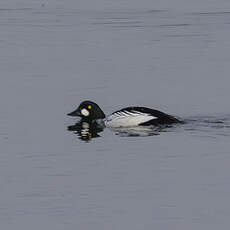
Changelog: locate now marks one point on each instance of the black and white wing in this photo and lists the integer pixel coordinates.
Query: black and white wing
(134, 116)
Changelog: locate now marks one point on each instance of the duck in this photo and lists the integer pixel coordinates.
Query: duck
(132, 116)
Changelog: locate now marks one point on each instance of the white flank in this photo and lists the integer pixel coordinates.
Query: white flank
(127, 119)
(85, 112)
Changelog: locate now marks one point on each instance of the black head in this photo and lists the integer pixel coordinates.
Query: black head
(88, 110)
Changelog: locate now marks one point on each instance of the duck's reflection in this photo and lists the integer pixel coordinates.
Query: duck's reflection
(86, 130)
(139, 131)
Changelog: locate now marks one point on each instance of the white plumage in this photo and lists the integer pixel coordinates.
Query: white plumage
(127, 119)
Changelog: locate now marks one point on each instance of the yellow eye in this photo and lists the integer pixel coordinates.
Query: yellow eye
(89, 106)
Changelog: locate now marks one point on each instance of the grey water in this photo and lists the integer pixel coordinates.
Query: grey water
(172, 56)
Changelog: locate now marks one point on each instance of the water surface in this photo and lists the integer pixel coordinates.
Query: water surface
(173, 57)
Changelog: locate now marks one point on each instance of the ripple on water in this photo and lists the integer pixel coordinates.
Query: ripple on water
(208, 125)
(204, 126)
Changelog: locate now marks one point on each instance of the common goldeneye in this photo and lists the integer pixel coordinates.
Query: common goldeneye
(126, 117)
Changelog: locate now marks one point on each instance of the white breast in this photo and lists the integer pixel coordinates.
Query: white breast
(127, 119)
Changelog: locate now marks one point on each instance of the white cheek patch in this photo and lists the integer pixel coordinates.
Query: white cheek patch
(85, 112)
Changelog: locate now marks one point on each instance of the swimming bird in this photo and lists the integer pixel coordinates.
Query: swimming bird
(127, 117)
